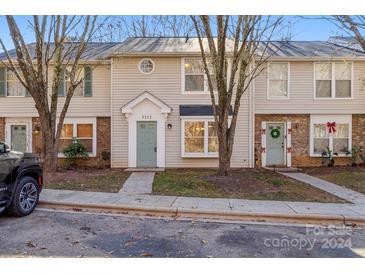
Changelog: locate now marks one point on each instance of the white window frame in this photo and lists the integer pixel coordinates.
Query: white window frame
(323, 119)
(146, 59)
(333, 81)
(206, 85)
(205, 154)
(268, 96)
(6, 87)
(82, 82)
(75, 122)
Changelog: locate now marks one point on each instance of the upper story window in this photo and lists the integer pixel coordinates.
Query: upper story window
(195, 79)
(10, 85)
(278, 83)
(333, 80)
(84, 89)
(146, 66)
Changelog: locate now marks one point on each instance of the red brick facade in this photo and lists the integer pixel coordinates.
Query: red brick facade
(103, 131)
(300, 137)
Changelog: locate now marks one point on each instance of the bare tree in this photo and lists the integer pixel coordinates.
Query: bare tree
(239, 51)
(117, 28)
(353, 26)
(60, 42)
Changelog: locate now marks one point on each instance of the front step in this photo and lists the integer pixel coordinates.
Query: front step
(283, 169)
(139, 169)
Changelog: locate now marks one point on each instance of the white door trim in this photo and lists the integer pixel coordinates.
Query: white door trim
(19, 121)
(287, 142)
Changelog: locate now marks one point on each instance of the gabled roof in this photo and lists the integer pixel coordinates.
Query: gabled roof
(93, 51)
(164, 45)
(128, 108)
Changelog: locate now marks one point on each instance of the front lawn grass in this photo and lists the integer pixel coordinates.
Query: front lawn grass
(254, 184)
(349, 177)
(88, 179)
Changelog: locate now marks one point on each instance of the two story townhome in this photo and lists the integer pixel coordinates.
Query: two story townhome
(146, 104)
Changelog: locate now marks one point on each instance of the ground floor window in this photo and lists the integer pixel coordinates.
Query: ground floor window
(82, 128)
(199, 138)
(330, 133)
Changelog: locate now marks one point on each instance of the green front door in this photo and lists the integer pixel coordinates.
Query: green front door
(18, 137)
(275, 139)
(146, 144)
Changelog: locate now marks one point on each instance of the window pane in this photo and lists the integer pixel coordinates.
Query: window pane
(320, 130)
(343, 88)
(67, 131)
(194, 66)
(323, 71)
(79, 90)
(323, 88)
(146, 66)
(85, 130)
(88, 143)
(320, 145)
(343, 71)
(340, 145)
(194, 83)
(342, 131)
(14, 86)
(278, 88)
(212, 138)
(194, 136)
(278, 71)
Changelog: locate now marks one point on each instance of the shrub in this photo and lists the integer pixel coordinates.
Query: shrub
(74, 151)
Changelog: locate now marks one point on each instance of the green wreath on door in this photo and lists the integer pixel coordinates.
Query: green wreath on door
(275, 133)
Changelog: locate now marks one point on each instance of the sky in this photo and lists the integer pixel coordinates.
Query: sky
(301, 28)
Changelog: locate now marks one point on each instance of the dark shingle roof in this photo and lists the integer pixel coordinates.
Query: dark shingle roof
(93, 51)
(198, 110)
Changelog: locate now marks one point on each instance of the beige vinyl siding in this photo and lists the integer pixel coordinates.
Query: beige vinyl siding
(301, 93)
(96, 106)
(164, 83)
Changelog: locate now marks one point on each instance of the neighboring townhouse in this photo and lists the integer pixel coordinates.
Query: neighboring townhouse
(311, 97)
(146, 104)
(88, 116)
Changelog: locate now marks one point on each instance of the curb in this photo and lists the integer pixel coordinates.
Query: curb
(222, 215)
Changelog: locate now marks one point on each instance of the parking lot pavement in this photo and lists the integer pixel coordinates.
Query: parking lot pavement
(69, 234)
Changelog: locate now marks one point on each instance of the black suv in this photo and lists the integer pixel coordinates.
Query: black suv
(21, 180)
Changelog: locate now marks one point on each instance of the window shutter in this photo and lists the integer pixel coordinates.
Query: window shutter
(88, 82)
(2, 82)
(61, 87)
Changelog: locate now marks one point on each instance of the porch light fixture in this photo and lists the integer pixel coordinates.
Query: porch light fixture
(169, 126)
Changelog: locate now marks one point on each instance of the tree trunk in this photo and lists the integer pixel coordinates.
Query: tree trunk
(224, 158)
(50, 152)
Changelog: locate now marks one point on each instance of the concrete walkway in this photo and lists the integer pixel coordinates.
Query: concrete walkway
(339, 191)
(231, 209)
(138, 183)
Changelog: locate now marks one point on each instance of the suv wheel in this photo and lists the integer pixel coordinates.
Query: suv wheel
(25, 198)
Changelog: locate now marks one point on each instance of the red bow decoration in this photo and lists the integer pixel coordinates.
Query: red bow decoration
(263, 150)
(289, 150)
(263, 131)
(331, 127)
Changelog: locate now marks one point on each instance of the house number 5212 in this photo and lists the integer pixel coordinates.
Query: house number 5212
(146, 117)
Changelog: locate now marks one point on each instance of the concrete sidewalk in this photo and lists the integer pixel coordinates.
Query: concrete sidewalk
(138, 183)
(227, 209)
(339, 191)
